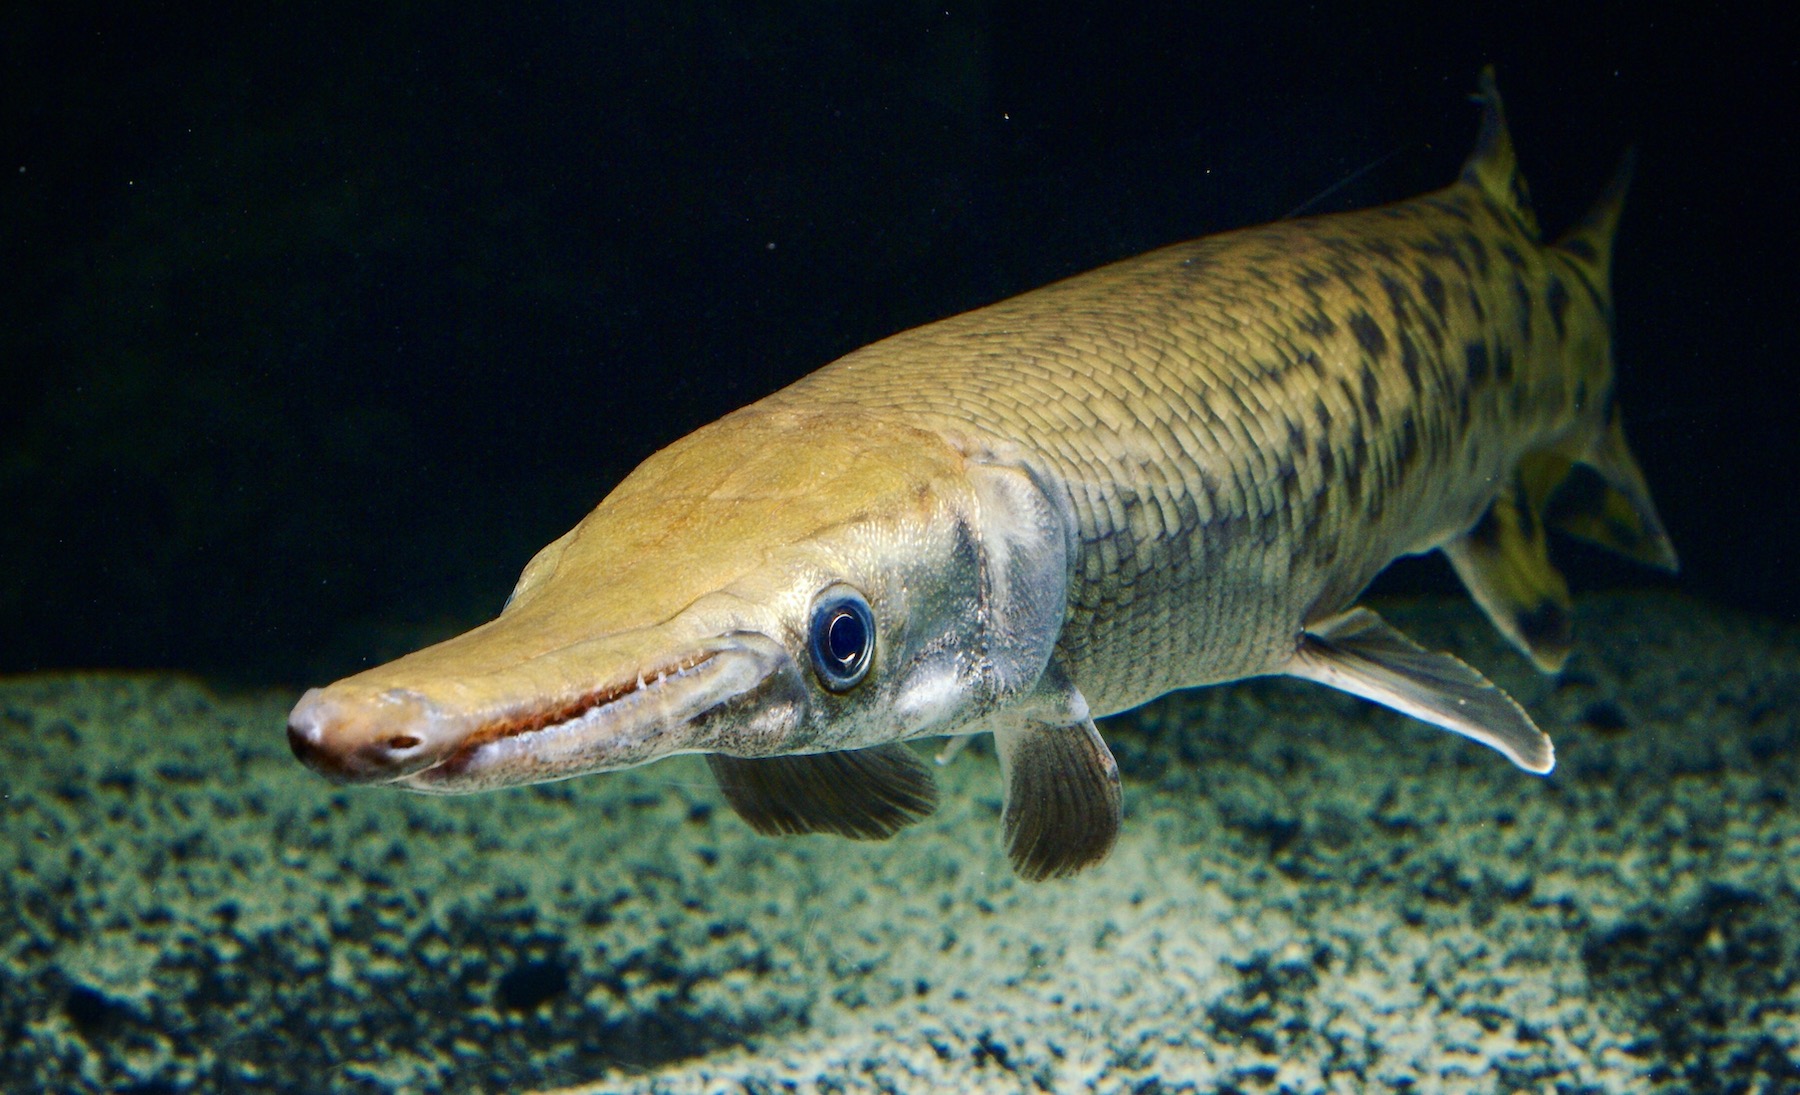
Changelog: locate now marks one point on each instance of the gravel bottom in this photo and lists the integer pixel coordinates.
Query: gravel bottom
(1311, 894)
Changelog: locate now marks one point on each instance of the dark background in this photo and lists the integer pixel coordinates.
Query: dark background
(316, 321)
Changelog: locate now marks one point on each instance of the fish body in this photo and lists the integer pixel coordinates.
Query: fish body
(1180, 469)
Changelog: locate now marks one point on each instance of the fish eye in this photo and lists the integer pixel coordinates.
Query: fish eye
(843, 638)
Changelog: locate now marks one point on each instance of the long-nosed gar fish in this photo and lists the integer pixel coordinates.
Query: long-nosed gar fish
(1177, 470)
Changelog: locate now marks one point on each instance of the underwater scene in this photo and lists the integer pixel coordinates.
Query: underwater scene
(420, 673)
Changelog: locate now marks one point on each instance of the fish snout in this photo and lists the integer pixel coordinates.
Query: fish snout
(373, 739)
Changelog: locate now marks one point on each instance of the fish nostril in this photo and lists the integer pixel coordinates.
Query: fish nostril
(358, 739)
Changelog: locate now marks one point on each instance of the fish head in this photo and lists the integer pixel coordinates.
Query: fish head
(781, 581)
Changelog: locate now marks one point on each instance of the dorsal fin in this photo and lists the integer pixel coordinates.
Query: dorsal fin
(1492, 168)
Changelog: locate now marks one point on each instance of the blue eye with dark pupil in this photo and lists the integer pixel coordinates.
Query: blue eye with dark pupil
(843, 639)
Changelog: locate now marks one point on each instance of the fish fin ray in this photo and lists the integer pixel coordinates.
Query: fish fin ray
(1360, 653)
(1504, 561)
(1589, 242)
(864, 794)
(1064, 807)
(1612, 508)
(1493, 168)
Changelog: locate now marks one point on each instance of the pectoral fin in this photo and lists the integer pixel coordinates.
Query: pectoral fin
(1359, 653)
(1505, 563)
(1063, 805)
(864, 794)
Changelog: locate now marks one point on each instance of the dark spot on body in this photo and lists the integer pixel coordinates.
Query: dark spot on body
(1476, 354)
(1368, 333)
(1297, 442)
(1317, 324)
(1311, 360)
(1457, 207)
(1512, 256)
(1522, 303)
(1289, 477)
(1556, 295)
(1443, 245)
(1580, 248)
(1478, 251)
(1503, 363)
(1406, 450)
(1399, 298)
(1435, 332)
(1356, 458)
(1476, 306)
(1209, 489)
(1409, 361)
(1493, 210)
(1382, 249)
(1371, 396)
(1593, 293)
(1433, 287)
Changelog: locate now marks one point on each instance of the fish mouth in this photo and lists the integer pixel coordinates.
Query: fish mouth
(652, 714)
(530, 724)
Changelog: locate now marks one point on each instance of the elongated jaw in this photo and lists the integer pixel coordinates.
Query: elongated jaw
(551, 717)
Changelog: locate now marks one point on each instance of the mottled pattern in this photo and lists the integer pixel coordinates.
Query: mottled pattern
(1249, 426)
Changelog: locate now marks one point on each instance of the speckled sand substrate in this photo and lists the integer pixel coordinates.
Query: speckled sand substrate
(1311, 894)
